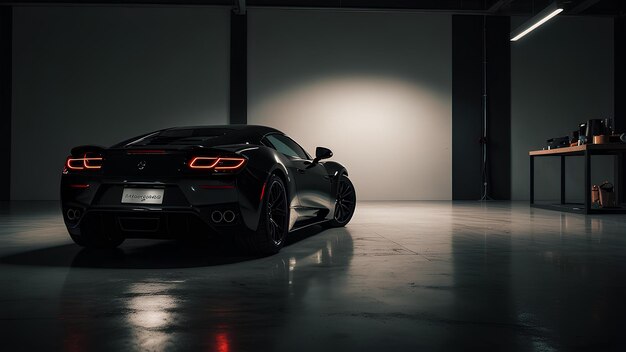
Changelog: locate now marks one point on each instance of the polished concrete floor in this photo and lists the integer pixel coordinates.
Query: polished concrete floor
(418, 276)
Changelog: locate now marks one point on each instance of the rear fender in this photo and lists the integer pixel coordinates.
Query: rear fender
(262, 163)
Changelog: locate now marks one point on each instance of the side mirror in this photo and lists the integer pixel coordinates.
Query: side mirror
(322, 153)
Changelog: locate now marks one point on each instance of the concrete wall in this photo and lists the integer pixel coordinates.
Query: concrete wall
(98, 75)
(381, 99)
(373, 87)
(561, 75)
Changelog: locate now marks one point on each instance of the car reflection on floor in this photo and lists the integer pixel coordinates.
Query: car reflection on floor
(235, 305)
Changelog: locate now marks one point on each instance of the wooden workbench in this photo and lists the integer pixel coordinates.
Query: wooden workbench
(586, 151)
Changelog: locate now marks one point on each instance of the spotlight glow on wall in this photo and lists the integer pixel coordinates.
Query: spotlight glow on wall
(365, 117)
(542, 17)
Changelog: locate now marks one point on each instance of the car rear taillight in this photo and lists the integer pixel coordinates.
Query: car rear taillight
(225, 164)
(89, 161)
(201, 162)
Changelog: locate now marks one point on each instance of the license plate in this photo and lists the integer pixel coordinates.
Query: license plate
(143, 195)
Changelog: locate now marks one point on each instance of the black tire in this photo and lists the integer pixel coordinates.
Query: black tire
(272, 230)
(345, 202)
(96, 241)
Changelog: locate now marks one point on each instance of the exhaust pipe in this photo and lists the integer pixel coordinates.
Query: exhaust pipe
(229, 216)
(217, 216)
(73, 214)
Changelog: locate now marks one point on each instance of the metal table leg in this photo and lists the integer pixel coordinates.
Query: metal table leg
(532, 179)
(562, 179)
(587, 182)
(619, 178)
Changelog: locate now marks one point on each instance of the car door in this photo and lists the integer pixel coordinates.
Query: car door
(312, 180)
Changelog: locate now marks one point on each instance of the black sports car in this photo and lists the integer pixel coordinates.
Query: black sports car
(252, 184)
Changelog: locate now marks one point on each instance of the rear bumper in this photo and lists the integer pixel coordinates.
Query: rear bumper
(187, 209)
(172, 223)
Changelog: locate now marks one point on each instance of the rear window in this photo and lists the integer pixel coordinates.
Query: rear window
(183, 136)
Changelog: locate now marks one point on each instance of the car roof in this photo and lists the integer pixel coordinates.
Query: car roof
(250, 130)
(228, 134)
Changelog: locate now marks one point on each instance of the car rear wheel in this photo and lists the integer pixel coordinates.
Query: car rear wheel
(345, 202)
(273, 225)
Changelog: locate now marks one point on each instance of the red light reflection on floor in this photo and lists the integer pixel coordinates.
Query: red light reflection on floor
(221, 342)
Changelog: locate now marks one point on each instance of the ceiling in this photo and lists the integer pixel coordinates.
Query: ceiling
(496, 7)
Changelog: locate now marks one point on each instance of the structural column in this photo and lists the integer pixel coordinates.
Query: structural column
(6, 29)
(238, 68)
(620, 86)
(467, 78)
(474, 40)
(499, 106)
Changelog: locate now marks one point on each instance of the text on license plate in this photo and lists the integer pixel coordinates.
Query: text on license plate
(143, 195)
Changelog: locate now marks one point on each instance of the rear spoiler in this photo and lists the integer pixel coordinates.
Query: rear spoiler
(230, 148)
(82, 149)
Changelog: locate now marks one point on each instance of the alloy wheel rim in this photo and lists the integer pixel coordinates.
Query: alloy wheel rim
(346, 201)
(276, 212)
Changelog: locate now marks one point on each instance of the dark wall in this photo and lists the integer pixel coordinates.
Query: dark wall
(499, 107)
(468, 44)
(467, 85)
(620, 73)
(619, 26)
(562, 74)
(6, 29)
(98, 75)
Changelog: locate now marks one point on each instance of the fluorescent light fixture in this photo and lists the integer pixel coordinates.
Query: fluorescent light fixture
(542, 17)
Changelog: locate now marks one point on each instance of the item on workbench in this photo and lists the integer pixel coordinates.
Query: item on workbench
(558, 142)
(582, 133)
(607, 195)
(573, 137)
(623, 137)
(609, 126)
(595, 197)
(601, 139)
(595, 127)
